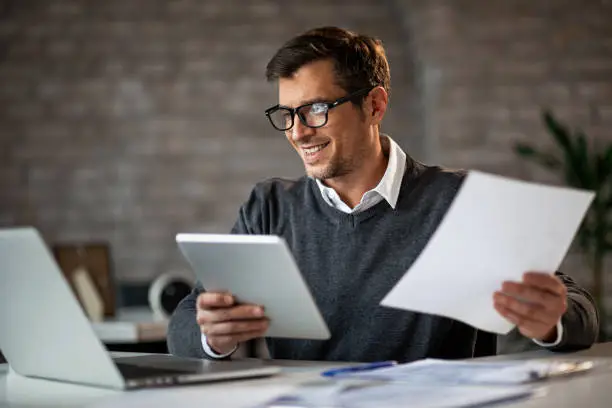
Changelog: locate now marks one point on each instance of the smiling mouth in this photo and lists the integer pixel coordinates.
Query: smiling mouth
(314, 149)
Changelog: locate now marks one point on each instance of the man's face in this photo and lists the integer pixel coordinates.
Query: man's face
(337, 148)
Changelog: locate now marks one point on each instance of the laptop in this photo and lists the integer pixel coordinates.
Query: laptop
(44, 332)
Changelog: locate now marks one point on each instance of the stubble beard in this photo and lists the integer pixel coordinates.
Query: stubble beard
(333, 169)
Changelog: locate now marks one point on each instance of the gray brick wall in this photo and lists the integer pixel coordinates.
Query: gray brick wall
(488, 67)
(129, 121)
(484, 69)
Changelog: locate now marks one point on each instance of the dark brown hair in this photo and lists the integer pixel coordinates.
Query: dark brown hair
(359, 61)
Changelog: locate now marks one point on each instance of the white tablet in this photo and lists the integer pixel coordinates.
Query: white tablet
(257, 269)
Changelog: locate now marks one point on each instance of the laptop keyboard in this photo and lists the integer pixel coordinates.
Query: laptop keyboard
(131, 371)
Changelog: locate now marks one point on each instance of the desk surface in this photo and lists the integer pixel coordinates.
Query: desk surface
(593, 389)
(132, 325)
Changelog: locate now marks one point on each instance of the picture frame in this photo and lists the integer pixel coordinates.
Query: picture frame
(95, 259)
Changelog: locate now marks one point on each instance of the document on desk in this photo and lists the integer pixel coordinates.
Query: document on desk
(436, 372)
(386, 394)
(495, 230)
(400, 395)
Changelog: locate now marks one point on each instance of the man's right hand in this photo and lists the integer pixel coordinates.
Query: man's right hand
(226, 324)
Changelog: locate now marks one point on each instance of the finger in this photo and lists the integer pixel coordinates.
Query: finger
(546, 282)
(532, 294)
(210, 300)
(234, 339)
(528, 328)
(236, 327)
(525, 311)
(242, 312)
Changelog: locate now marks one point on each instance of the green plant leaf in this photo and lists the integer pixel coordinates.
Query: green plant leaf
(550, 161)
(525, 150)
(607, 237)
(581, 168)
(575, 153)
(581, 163)
(572, 172)
(559, 131)
(545, 159)
(608, 156)
(604, 165)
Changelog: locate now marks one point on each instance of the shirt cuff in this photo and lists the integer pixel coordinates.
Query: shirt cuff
(556, 342)
(210, 353)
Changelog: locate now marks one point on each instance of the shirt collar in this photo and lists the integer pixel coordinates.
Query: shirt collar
(390, 183)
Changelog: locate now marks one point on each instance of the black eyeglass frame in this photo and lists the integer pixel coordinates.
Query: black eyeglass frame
(330, 105)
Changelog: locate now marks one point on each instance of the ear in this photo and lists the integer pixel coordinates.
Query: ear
(377, 102)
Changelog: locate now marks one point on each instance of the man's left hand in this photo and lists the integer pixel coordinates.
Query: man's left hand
(534, 305)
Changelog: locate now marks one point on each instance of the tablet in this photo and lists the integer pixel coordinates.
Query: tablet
(257, 269)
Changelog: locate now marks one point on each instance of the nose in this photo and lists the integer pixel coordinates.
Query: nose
(299, 131)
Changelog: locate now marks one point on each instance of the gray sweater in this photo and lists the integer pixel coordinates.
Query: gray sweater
(351, 261)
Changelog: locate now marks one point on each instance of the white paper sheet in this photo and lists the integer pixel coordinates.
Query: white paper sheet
(495, 230)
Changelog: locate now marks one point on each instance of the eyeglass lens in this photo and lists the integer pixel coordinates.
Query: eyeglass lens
(314, 115)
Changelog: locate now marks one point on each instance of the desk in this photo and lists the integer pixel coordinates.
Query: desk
(132, 325)
(593, 390)
(133, 329)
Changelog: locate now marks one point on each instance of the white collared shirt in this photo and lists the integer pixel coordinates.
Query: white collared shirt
(387, 189)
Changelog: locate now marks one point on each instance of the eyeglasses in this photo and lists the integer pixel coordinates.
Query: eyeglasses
(312, 115)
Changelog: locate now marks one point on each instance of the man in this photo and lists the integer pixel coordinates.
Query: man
(356, 223)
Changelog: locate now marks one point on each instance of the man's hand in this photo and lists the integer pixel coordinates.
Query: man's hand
(226, 324)
(535, 305)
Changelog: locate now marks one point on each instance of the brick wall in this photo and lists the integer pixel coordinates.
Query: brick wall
(129, 121)
(485, 69)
